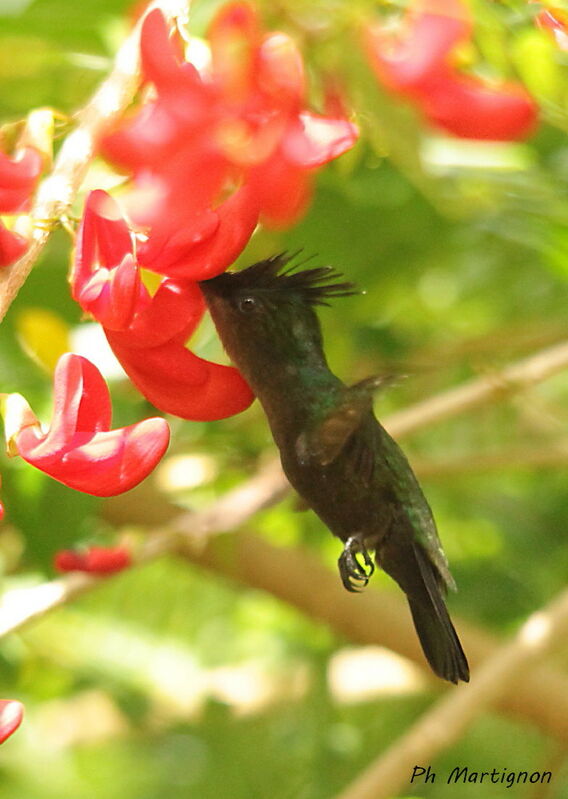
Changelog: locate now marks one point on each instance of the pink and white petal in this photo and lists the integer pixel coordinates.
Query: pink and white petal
(81, 403)
(313, 140)
(11, 715)
(103, 239)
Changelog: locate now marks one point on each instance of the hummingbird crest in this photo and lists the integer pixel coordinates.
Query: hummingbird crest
(314, 286)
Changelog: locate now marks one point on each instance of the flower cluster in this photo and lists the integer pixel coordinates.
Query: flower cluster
(421, 65)
(240, 121)
(209, 153)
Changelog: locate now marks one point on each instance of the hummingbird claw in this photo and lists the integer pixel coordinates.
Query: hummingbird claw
(355, 575)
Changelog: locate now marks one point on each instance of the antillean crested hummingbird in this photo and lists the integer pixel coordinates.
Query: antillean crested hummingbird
(334, 452)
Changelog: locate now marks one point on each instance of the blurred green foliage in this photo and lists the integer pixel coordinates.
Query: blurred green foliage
(462, 251)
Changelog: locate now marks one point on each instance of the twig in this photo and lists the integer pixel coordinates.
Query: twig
(56, 192)
(22, 605)
(512, 379)
(532, 457)
(449, 718)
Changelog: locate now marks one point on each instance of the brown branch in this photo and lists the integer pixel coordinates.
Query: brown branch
(480, 391)
(20, 606)
(57, 191)
(533, 457)
(444, 723)
(553, 763)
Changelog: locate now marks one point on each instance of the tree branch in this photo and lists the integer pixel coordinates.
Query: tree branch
(444, 723)
(57, 191)
(554, 455)
(22, 605)
(480, 391)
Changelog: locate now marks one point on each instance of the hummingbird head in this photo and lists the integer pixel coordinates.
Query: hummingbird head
(265, 314)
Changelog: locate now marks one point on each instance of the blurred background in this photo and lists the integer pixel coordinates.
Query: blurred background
(173, 680)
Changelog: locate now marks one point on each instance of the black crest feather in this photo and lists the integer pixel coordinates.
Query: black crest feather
(317, 285)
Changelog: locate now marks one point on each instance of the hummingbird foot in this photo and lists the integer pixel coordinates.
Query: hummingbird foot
(355, 575)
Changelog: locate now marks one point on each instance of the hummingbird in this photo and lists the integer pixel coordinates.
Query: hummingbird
(334, 452)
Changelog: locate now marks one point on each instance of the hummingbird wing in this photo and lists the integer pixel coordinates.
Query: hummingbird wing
(410, 498)
(325, 440)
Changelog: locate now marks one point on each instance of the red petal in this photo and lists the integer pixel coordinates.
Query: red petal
(67, 560)
(282, 190)
(11, 715)
(238, 217)
(314, 140)
(15, 201)
(167, 244)
(174, 312)
(95, 560)
(177, 81)
(233, 38)
(139, 141)
(159, 61)
(21, 172)
(556, 22)
(280, 70)
(178, 382)
(103, 239)
(114, 296)
(105, 464)
(470, 109)
(433, 29)
(12, 246)
(81, 404)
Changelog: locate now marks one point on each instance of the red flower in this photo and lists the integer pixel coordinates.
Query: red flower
(18, 179)
(11, 715)
(12, 246)
(80, 450)
(106, 280)
(241, 122)
(95, 560)
(421, 65)
(148, 333)
(407, 64)
(556, 22)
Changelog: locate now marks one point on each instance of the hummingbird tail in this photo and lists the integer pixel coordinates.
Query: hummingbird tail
(435, 630)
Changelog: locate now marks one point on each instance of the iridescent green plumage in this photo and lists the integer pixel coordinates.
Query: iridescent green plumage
(333, 450)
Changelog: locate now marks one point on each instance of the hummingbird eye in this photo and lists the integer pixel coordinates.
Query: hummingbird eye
(247, 304)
